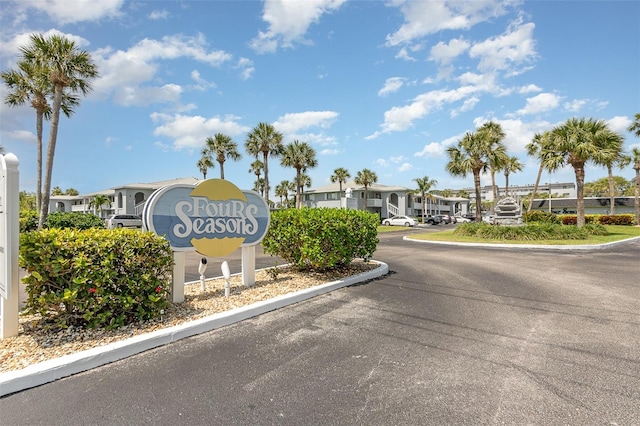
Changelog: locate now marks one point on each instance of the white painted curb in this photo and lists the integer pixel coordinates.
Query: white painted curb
(529, 246)
(48, 371)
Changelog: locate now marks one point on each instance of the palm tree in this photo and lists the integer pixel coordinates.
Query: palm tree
(635, 153)
(68, 70)
(256, 168)
(577, 142)
(512, 165)
(98, 201)
(635, 126)
(222, 147)
(496, 152)
(340, 175)
(540, 148)
(205, 162)
(366, 177)
(258, 186)
(470, 156)
(462, 194)
(29, 84)
(266, 140)
(446, 193)
(282, 191)
(300, 156)
(424, 186)
(618, 158)
(57, 191)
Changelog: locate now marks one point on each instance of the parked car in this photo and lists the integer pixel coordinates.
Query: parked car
(462, 219)
(445, 218)
(433, 220)
(124, 221)
(400, 221)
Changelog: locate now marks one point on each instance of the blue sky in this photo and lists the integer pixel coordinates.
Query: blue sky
(386, 86)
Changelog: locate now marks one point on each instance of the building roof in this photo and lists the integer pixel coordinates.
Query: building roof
(335, 187)
(159, 184)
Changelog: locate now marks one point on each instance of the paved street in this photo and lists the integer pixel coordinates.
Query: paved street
(453, 335)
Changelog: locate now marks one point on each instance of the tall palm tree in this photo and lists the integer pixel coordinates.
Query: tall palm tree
(340, 175)
(493, 135)
(470, 156)
(300, 156)
(30, 84)
(69, 70)
(618, 158)
(258, 186)
(266, 140)
(462, 194)
(205, 162)
(365, 177)
(222, 147)
(512, 165)
(305, 182)
(635, 154)
(578, 141)
(424, 186)
(540, 148)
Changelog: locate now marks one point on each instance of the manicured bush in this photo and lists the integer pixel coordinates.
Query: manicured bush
(534, 231)
(539, 216)
(77, 220)
(572, 219)
(28, 220)
(95, 278)
(321, 238)
(616, 219)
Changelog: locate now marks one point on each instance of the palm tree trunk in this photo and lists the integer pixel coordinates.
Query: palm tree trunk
(506, 188)
(494, 188)
(612, 195)
(636, 201)
(297, 188)
(39, 162)
(579, 171)
(535, 187)
(476, 183)
(265, 193)
(222, 170)
(51, 149)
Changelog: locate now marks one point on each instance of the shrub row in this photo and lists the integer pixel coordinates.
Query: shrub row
(321, 238)
(602, 219)
(76, 220)
(534, 231)
(95, 278)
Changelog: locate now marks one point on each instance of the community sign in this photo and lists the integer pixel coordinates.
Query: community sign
(213, 217)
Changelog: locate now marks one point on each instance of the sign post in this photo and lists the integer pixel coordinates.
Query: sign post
(9, 238)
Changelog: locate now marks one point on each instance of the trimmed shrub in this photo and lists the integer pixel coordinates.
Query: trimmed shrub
(95, 278)
(76, 220)
(616, 219)
(540, 216)
(530, 232)
(321, 238)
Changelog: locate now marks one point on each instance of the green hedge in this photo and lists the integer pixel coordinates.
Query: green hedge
(321, 238)
(95, 278)
(602, 219)
(76, 220)
(534, 231)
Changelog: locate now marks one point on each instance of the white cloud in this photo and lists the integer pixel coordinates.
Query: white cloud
(330, 152)
(575, 105)
(69, 11)
(158, 14)
(246, 68)
(289, 21)
(11, 47)
(619, 124)
(391, 85)
(405, 167)
(147, 95)
(293, 122)
(444, 53)
(437, 149)
(382, 162)
(467, 105)
(404, 54)
(201, 83)
(515, 47)
(530, 88)
(540, 103)
(428, 17)
(191, 131)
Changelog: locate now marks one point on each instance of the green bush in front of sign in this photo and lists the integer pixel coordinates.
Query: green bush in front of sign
(323, 238)
(77, 220)
(95, 278)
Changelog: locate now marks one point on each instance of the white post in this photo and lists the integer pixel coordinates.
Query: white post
(9, 238)
(177, 289)
(249, 266)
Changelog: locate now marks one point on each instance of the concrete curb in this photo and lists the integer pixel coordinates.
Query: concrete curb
(48, 371)
(530, 246)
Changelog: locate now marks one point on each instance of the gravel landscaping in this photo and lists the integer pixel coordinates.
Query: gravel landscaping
(36, 342)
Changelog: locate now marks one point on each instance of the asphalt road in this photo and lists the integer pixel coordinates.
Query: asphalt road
(453, 335)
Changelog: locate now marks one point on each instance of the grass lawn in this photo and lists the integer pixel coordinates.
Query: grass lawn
(616, 233)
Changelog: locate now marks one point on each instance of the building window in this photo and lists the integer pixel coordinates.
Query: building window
(332, 196)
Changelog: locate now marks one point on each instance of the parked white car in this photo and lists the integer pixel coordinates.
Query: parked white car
(124, 221)
(400, 221)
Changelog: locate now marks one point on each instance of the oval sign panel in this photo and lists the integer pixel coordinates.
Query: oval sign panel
(213, 217)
